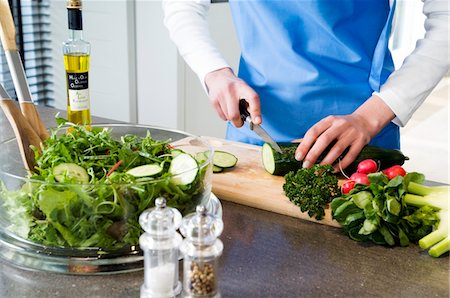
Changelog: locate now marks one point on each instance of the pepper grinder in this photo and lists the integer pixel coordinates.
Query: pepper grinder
(201, 250)
(160, 244)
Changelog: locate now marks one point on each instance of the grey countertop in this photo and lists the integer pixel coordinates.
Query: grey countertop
(265, 255)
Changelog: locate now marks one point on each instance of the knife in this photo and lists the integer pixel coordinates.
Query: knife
(8, 38)
(245, 116)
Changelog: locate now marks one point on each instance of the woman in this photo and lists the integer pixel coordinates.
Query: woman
(314, 69)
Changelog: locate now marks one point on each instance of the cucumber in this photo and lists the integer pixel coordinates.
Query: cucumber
(277, 163)
(145, 170)
(70, 172)
(184, 169)
(201, 157)
(224, 159)
(280, 164)
(217, 169)
(175, 152)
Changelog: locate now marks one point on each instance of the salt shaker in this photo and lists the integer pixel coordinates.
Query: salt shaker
(201, 250)
(160, 244)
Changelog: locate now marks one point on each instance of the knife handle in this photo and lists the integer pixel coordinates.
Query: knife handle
(243, 105)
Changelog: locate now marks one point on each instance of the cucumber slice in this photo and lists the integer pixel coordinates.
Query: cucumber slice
(201, 157)
(224, 159)
(217, 169)
(184, 169)
(145, 170)
(268, 159)
(70, 172)
(176, 152)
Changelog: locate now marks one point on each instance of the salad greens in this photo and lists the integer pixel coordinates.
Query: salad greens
(56, 208)
(378, 212)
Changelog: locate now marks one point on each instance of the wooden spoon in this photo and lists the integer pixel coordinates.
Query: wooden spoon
(25, 134)
(8, 37)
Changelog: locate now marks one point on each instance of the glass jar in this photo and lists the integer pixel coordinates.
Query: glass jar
(160, 244)
(201, 250)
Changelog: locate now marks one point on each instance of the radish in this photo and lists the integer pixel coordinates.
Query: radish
(359, 178)
(367, 166)
(348, 186)
(394, 171)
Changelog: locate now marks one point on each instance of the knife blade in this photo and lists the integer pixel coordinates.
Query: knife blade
(245, 116)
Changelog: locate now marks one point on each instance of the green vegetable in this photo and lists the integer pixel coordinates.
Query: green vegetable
(312, 189)
(432, 201)
(71, 173)
(222, 160)
(145, 170)
(380, 213)
(184, 169)
(280, 164)
(108, 182)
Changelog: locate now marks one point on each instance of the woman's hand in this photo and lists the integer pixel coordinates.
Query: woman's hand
(225, 90)
(352, 131)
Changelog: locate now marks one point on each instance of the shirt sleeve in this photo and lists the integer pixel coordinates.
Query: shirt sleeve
(186, 21)
(407, 88)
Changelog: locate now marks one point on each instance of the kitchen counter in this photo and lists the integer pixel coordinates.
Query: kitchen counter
(265, 255)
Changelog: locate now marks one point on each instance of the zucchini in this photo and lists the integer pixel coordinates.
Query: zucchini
(145, 170)
(280, 164)
(184, 169)
(71, 172)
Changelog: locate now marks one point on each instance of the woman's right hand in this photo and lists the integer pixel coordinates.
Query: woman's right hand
(225, 90)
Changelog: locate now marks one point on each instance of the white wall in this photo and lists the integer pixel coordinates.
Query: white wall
(169, 93)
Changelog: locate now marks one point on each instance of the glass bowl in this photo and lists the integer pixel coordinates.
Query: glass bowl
(85, 228)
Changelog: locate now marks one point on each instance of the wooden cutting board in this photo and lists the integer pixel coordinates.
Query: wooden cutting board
(249, 184)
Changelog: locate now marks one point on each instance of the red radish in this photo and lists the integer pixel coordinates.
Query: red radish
(394, 171)
(367, 166)
(359, 178)
(348, 186)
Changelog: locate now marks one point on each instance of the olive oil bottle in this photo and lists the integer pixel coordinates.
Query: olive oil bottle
(76, 62)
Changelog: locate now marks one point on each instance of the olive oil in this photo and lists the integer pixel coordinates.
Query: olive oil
(76, 62)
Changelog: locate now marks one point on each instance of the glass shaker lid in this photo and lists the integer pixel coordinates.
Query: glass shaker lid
(160, 221)
(201, 228)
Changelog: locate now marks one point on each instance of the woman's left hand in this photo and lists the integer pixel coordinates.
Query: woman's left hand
(352, 131)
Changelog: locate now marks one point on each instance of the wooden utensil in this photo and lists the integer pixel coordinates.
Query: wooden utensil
(8, 37)
(23, 131)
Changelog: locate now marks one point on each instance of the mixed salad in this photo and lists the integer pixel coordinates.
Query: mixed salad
(88, 188)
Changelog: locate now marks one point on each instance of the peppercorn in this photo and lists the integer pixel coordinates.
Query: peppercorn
(202, 279)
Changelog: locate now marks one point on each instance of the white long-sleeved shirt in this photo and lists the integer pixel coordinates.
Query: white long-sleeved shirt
(404, 91)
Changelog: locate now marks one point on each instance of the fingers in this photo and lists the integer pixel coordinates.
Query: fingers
(340, 137)
(225, 91)
(310, 147)
(254, 107)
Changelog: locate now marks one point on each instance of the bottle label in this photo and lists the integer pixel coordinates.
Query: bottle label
(78, 91)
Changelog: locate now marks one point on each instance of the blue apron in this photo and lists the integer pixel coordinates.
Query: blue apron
(309, 59)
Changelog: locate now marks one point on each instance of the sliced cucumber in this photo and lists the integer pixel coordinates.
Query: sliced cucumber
(184, 169)
(70, 172)
(224, 159)
(176, 152)
(145, 170)
(217, 169)
(201, 157)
